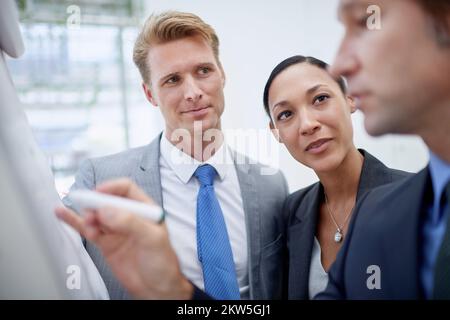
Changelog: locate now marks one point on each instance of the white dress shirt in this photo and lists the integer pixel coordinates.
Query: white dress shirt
(179, 192)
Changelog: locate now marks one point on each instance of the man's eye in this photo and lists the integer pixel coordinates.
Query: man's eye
(283, 115)
(356, 23)
(173, 80)
(320, 99)
(204, 70)
(360, 20)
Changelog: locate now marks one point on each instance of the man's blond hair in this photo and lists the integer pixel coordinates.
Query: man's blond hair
(169, 26)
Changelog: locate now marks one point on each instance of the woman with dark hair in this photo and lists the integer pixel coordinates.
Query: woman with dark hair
(310, 113)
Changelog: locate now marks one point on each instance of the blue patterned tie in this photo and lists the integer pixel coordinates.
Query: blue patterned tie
(213, 244)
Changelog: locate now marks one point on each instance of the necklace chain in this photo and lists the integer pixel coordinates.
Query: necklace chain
(339, 230)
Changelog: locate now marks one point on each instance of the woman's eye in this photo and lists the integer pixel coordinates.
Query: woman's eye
(283, 115)
(321, 98)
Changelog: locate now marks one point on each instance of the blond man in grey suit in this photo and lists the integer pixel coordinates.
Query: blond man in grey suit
(178, 57)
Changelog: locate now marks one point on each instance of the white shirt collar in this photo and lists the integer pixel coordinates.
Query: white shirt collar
(184, 165)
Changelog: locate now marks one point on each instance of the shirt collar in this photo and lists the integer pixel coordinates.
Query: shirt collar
(440, 175)
(184, 165)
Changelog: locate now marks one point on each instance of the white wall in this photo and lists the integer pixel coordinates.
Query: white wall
(257, 35)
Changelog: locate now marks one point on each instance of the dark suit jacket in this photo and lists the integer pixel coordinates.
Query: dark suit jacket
(385, 232)
(302, 210)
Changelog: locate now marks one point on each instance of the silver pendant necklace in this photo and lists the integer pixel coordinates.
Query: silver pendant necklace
(339, 235)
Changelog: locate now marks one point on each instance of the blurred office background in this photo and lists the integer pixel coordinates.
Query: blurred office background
(83, 96)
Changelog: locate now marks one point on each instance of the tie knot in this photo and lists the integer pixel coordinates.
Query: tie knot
(205, 174)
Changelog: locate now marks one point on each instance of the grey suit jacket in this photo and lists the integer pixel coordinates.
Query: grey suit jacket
(302, 211)
(262, 195)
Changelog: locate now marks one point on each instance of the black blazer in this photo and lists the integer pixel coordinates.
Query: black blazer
(302, 208)
(385, 232)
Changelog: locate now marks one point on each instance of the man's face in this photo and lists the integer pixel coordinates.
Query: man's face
(186, 83)
(399, 74)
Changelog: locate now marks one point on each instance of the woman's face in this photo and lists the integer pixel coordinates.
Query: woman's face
(312, 116)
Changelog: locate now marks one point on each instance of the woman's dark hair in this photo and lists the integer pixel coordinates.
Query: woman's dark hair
(283, 65)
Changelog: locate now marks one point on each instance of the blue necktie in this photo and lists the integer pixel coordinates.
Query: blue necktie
(213, 244)
(442, 267)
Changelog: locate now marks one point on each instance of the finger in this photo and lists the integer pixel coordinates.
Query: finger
(124, 187)
(92, 233)
(70, 217)
(80, 224)
(92, 222)
(121, 221)
(90, 218)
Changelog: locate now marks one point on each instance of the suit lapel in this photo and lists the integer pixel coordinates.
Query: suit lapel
(247, 183)
(301, 239)
(301, 234)
(373, 174)
(147, 175)
(402, 237)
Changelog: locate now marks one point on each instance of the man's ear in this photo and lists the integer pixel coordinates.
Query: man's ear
(352, 103)
(224, 77)
(275, 132)
(443, 33)
(149, 94)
